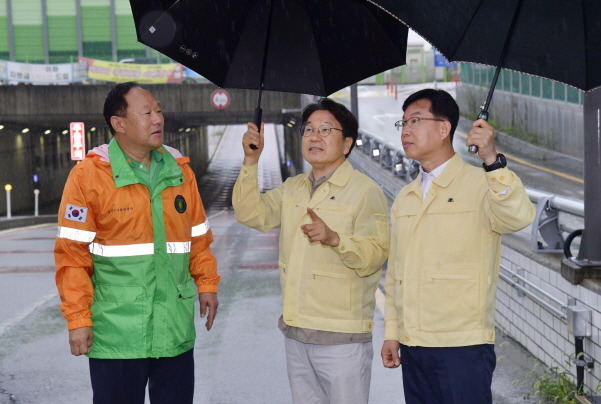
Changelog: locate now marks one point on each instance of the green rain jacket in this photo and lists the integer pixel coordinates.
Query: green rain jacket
(126, 258)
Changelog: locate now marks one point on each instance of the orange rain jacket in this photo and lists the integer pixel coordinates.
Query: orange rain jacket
(124, 257)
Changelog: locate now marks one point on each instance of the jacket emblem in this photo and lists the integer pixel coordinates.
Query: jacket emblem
(180, 204)
(76, 213)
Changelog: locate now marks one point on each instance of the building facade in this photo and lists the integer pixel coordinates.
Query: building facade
(58, 31)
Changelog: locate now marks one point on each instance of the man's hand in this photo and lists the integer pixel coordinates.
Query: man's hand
(80, 340)
(208, 301)
(390, 353)
(482, 135)
(253, 137)
(319, 231)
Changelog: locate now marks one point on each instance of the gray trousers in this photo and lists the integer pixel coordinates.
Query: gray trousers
(329, 374)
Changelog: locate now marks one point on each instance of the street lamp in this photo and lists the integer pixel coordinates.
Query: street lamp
(8, 188)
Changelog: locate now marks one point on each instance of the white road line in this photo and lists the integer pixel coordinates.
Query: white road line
(21, 316)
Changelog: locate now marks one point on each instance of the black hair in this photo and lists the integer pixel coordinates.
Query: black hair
(443, 105)
(347, 120)
(115, 103)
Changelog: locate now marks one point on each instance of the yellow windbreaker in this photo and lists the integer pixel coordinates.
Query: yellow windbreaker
(323, 288)
(443, 268)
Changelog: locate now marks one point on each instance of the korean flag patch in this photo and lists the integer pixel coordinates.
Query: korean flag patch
(76, 213)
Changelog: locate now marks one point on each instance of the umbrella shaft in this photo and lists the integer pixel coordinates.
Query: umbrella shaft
(502, 57)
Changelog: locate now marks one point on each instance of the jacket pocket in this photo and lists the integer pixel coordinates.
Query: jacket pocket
(328, 294)
(119, 314)
(450, 301)
(181, 318)
(337, 216)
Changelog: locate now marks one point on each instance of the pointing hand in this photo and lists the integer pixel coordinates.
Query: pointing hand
(319, 231)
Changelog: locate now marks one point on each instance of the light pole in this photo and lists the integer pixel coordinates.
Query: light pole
(8, 187)
(36, 193)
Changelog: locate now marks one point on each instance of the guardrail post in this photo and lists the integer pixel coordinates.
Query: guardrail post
(547, 224)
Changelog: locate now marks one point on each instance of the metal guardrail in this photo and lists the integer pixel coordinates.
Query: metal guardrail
(546, 223)
(389, 156)
(519, 282)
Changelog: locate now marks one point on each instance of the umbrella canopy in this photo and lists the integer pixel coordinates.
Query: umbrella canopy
(302, 46)
(554, 39)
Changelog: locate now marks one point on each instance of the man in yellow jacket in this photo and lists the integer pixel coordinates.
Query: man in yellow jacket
(443, 267)
(132, 251)
(333, 242)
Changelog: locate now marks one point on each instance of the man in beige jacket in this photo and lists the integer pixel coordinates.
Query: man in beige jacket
(333, 241)
(444, 256)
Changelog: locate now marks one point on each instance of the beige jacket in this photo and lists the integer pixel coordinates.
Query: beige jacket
(443, 267)
(323, 288)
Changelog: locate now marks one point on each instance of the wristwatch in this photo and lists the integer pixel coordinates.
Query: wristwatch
(501, 162)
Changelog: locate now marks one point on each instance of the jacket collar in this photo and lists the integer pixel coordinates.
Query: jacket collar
(124, 175)
(443, 180)
(451, 171)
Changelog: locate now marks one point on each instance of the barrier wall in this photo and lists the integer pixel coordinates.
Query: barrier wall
(554, 125)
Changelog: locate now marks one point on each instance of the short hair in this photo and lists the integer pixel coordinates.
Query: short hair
(443, 105)
(347, 120)
(115, 103)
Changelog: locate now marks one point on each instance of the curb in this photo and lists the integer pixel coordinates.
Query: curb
(24, 221)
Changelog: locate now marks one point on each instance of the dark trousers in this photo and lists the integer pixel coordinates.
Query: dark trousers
(457, 375)
(123, 381)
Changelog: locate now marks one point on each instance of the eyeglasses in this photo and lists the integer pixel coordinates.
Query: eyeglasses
(412, 122)
(323, 130)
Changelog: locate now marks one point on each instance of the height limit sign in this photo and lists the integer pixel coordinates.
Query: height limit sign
(220, 99)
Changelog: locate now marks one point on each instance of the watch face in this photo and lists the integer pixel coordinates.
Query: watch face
(502, 160)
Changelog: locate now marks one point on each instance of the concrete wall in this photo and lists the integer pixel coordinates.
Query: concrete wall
(542, 332)
(551, 124)
(186, 104)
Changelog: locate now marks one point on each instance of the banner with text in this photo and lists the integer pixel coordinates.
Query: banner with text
(30, 73)
(141, 73)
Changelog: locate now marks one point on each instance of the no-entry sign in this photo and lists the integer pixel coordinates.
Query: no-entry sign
(220, 99)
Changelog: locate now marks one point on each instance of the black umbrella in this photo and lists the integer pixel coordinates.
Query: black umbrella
(554, 39)
(303, 46)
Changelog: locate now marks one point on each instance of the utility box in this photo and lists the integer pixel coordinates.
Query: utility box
(579, 321)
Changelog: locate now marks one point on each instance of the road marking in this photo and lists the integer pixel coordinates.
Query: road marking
(526, 163)
(21, 316)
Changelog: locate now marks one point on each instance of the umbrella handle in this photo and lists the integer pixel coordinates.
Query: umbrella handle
(482, 115)
(257, 120)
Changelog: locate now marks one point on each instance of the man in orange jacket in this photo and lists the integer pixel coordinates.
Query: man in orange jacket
(133, 239)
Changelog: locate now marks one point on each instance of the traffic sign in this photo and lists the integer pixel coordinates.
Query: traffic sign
(441, 61)
(220, 99)
(78, 140)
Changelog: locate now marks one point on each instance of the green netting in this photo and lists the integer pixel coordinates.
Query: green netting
(547, 88)
(98, 50)
(519, 83)
(62, 34)
(29, 43)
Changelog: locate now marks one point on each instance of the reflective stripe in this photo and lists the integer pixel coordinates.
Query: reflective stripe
(128, 250)
(133, 250)
(201, 229)
(75, 234)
